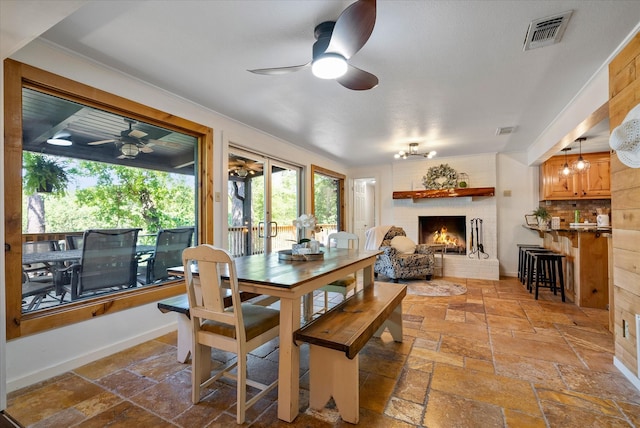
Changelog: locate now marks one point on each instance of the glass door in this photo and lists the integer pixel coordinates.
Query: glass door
(264, 199)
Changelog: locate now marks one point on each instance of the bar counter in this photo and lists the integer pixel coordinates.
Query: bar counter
(586, 266)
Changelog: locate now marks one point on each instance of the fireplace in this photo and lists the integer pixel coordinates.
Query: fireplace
(448, 230)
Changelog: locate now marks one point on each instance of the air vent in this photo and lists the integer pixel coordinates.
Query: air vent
(546, 31)
(505, 130)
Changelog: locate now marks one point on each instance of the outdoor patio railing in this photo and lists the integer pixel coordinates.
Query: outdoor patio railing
(241, 239)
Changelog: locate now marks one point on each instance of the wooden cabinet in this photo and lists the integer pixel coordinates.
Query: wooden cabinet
(593, 184)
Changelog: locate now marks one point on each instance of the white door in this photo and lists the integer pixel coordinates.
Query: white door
(363, 207)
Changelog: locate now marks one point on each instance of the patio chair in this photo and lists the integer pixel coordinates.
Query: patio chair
(38, 289)
(238, 329)
(108, 262)
(348, 283)
(45, 272)
(74, 242)
(168, 252)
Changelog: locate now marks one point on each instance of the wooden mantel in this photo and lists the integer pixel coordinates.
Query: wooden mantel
(445, 193)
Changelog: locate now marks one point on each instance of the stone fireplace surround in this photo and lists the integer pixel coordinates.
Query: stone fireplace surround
(481, 170)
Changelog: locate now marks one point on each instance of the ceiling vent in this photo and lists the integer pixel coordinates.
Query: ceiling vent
(505, 130)
(546, 31)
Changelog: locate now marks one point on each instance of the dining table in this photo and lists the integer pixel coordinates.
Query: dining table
(291, 281)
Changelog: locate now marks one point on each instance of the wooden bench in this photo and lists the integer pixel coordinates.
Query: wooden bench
(180, 305)
(337, 337)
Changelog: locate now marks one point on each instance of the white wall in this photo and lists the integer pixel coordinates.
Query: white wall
(38, 357)
(521, 181)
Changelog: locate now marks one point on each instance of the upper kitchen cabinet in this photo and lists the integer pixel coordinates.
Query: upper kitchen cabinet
(595, 183)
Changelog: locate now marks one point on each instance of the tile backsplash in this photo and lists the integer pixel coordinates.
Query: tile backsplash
(565, 209)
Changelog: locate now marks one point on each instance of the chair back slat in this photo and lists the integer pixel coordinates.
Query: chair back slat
(343, 240)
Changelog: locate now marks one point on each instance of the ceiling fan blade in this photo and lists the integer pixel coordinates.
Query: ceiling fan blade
(169, 144)
(95, 143)
(358, 80)
(146, 149)
(353, 28)
(136, 133)
(279, 70)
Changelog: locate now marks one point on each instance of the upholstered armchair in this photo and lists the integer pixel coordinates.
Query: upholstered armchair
(401, 258)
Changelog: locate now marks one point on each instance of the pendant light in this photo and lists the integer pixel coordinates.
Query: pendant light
(565, 170)
(580, 165)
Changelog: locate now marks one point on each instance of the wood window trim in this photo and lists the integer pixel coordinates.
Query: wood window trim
(315, 169)
(17, 76)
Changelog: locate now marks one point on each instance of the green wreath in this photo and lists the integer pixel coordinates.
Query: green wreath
(440, 177)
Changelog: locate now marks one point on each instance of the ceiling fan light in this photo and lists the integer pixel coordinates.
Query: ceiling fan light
(129, 150)
(329, 66)
(242, 172)
(60, 139)
(59, 142)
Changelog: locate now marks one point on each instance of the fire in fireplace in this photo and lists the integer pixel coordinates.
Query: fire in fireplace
(450, 231)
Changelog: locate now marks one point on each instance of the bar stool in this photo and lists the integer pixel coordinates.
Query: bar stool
(549, 272)
(529, 265)
(521, 259)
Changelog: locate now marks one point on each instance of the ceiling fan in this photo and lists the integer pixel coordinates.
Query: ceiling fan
(131, 142)
(243, 167)
(336, 42)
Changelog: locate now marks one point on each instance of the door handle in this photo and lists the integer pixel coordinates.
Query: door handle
(274, 230)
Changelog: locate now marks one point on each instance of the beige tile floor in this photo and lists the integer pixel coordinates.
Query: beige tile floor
(494, 357)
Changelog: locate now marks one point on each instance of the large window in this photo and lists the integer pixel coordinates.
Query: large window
(328, 201)
(127, 187)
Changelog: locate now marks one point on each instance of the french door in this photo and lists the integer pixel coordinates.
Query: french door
(264, 199)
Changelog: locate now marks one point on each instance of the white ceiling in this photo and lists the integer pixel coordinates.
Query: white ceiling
(450, 72)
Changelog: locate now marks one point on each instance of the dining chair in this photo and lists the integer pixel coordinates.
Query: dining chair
(348, 283)
(108, 262)
(168, 252)
(239, 329)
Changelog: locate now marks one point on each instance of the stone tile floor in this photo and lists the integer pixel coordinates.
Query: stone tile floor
(494, 357)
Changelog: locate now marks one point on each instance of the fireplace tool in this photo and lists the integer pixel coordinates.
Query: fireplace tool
(477, 246)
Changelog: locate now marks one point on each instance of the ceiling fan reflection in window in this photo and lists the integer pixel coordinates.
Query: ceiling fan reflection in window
(131, 142)
(243, 167)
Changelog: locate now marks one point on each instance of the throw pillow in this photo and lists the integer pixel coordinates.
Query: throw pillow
(403, 244)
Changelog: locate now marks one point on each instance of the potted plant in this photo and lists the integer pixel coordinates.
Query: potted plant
(543, 216)
(43, 175)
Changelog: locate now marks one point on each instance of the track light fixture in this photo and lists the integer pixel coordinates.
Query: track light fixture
(413, 151)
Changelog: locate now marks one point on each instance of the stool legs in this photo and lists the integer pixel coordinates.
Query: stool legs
(548, 272)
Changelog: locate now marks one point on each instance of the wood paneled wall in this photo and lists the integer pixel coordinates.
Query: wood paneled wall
(624, 94)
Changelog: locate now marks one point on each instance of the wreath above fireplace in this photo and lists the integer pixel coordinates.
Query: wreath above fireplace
(440, 177)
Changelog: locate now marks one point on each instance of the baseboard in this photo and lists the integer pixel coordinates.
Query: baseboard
(71, 364)
(627, 373)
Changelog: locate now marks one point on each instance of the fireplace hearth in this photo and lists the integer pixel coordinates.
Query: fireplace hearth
(449, 231)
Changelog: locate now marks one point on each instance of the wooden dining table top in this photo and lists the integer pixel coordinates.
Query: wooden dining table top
(270, 270)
